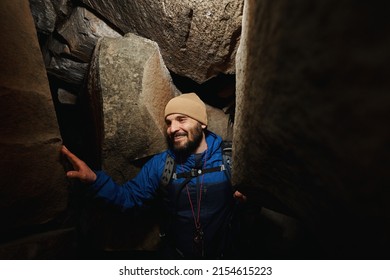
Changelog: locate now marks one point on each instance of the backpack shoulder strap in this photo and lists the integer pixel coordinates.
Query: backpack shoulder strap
(227, 157)
(168, 171)
(169, 166)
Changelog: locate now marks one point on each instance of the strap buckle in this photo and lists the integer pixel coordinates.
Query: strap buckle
(196, 172)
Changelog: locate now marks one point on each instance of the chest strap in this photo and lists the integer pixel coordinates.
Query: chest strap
(197, 172)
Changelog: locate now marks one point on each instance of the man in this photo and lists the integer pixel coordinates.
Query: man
(199, 198)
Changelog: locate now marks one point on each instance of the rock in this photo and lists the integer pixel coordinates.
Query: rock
(44, 15)
(130, 85)
(56, 49)
(65, 97)
(63, 7)
(81, 32)
(33, 186)
(198, 39)
(219, 123)
(67, 70)
(312, 113)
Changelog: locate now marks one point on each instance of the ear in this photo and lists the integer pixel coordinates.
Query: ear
(203, 126)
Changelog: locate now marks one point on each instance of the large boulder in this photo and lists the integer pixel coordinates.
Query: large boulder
(312, 115)
(198, 39)
(33, 187)
(129, 86)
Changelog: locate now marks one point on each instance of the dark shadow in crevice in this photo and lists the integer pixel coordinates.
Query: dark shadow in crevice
(219, 92)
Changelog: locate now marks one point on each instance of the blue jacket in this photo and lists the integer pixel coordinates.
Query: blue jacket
(216, 199)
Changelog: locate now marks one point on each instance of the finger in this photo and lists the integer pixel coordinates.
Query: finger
(239, 196)
(66, 152)
(72, 157)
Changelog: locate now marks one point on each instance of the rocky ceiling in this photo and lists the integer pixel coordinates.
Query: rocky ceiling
(198, 39)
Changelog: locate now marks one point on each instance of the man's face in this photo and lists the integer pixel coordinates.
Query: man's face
(184, 133)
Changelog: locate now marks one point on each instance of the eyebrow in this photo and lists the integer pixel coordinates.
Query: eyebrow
(177, 117)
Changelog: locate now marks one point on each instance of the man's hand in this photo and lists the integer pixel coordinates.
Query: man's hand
(81, 169)
(239, 196)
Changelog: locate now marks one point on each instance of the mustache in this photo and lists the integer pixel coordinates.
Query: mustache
(179, 134)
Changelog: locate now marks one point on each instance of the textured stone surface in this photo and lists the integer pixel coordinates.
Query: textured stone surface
(44, 15)
(219, 123)
(198, 39)
(126, 73)
(68, 70)
(63, 7)
(311, 121)
(81, 32)
(33, 187)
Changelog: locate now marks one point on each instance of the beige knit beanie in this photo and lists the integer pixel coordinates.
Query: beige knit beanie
(187, 104)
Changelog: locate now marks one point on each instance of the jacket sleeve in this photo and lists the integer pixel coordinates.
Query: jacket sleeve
(135, 191)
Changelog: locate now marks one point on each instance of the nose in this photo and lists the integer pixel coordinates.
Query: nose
(174, 126)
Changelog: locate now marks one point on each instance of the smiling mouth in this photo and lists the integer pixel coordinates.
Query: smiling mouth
(179, 137)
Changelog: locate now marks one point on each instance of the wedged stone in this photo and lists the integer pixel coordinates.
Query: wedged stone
(63, 7)
(131, 85)
(57, 48)
(67, 70)
(33, 189)
(44, 15)
(198, 39)
(65, 97)
(81, 32)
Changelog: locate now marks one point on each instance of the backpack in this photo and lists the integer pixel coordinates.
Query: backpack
(169, 167)
(169, 173)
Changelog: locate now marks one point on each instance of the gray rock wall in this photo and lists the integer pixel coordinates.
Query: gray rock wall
(33, 189)
(311, 119)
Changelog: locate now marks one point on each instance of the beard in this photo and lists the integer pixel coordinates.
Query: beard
(187, 148)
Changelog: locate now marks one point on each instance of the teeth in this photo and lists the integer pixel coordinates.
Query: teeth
(178, 137)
